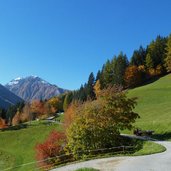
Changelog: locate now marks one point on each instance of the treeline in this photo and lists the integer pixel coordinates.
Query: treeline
(145, 64)
(28, 111)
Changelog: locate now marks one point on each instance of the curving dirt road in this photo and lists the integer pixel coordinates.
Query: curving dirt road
(154, 162)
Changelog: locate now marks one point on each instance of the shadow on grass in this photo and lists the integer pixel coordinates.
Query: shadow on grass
(136, 143)
(13, 128)
(150, 80)
(165, 136)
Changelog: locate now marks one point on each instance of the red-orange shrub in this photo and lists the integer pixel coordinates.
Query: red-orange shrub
(47, 152)
(2, 123)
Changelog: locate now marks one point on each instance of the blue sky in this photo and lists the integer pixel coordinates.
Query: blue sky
(62, 41)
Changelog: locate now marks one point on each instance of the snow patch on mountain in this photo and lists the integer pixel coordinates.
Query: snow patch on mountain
(14, 81)
(33, 88)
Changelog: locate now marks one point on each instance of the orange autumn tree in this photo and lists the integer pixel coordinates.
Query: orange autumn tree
(70, 113)
(133, 76)
(55, 104)
(16, 119)
(2, 123)
(26, 114)
(37, 108)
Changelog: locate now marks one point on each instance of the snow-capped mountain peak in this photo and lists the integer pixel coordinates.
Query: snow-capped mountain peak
(18, 78)
(33, 87)
(14, 81)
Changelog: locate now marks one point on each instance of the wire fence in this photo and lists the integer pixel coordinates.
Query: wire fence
(119, 150)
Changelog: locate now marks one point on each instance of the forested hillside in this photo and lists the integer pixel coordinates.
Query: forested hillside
(146, 64)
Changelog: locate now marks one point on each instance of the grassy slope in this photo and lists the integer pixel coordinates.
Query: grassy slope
(154, 106)
(18, 145)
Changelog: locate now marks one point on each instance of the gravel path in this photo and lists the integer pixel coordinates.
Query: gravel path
(154, 162)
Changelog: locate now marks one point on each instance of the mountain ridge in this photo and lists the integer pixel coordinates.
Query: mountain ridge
(7, 98)
(33, 88)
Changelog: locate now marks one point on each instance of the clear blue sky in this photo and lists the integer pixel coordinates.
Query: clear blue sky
(62, 41)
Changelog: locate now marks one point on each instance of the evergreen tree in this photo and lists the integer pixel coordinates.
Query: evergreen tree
(120, 67)
(90, 86)
(107, 73)
(157, 51)
(82, 96)
(149, 62)
(168, 55)
(2, 113)
(138, 57)
(113, 72)
(12, 110)
(98, 76)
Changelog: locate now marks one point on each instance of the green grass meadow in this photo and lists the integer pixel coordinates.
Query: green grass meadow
(154, 107)
(17, 147)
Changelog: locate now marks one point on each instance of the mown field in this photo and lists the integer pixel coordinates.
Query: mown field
(154, 106)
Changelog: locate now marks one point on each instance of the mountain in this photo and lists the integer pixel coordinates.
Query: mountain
(7, 98)
(33, 87)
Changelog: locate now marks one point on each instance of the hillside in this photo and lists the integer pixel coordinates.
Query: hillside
(7, 98)
(33, 87)
(154, 105)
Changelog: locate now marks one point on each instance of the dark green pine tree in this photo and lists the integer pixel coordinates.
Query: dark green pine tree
(2, 113)
(120, 67)
(157, 51)
(138, 57)
(114, 70)
(82, 96)
(98, 76)
(101, 78)
(90, 86)
(11, 113)
(107, 73)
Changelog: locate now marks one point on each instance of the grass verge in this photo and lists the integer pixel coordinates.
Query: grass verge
(149, 147)
(87, 169)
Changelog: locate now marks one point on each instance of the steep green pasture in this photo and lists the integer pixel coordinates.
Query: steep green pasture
(154, 106)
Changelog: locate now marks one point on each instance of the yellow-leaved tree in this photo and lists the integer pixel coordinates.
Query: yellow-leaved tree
(98, 123)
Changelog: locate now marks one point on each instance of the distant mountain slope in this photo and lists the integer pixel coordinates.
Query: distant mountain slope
(154, 105)
(33, 87)
(7, 98)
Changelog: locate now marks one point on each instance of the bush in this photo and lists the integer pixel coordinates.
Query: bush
(49, 152)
